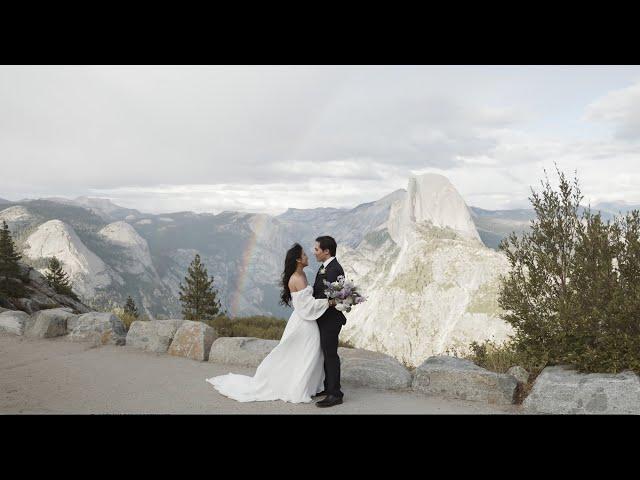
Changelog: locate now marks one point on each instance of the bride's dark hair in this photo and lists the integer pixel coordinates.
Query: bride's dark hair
(290, 266)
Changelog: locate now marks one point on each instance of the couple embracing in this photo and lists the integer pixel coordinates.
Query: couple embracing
(305, 364)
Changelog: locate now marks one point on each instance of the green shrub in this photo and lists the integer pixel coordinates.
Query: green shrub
(345, 344)
(128, 318)
(270, 328)
(130, 307)
(501, 357)
(572, 293)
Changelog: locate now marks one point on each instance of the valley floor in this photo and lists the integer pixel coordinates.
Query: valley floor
(55, 376)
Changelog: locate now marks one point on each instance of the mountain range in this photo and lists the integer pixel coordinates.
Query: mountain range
(112, 251)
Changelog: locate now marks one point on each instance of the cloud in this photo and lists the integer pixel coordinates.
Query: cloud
(620, 108)
(268, 138)
(272, 198)
(606, 171)
(404, 130)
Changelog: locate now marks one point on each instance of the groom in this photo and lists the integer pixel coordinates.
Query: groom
(330, 322)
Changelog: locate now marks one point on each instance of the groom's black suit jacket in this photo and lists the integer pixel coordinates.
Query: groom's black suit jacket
(333, 271)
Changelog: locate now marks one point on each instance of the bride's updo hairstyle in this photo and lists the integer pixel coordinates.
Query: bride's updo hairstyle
(290, 265)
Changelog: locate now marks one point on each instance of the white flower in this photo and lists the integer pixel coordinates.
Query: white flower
(341, 307)
(323, 271)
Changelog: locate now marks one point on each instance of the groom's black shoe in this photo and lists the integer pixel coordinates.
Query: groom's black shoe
(321, 394)
(330, 401)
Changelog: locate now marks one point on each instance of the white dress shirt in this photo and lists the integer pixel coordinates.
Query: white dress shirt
(327, 261)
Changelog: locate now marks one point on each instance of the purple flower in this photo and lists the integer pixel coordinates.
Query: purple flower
(344, 291)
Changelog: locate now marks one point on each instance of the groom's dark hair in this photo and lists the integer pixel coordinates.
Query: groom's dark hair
(327, 243)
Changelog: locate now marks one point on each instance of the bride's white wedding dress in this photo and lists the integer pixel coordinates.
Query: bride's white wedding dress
(293, 371)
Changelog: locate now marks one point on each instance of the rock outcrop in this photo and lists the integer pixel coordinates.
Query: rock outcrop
(193, 340)
(462, 379)
(99, 328)
(431, 285)
(50, 323)
(17, 215)
(39, 295)
(358, 367)
(432, 199)
(86, 270)
(15, 322)
(152, 336)
(244, 351)
(519, 374)
(562, 390)
(372, 369)
(135, 257)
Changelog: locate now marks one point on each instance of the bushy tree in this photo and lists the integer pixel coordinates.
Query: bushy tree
(130, 307)
(58, 279)
(572, 293)
(9, 267)
(198, 297)
(604, 330)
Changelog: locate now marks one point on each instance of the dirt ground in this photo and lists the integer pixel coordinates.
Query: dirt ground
(56, 376)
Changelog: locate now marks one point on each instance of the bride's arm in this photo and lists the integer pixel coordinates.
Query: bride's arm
(309, 308)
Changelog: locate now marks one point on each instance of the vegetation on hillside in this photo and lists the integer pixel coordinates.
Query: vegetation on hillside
(58, 279)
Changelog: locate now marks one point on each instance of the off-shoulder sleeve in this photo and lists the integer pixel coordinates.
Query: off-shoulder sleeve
(307, 307)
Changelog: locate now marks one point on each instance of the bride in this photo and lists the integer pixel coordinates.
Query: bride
(293, 371)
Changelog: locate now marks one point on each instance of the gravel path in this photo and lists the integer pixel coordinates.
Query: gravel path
(57, 376)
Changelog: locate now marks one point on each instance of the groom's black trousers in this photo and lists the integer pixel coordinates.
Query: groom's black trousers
(330, 327)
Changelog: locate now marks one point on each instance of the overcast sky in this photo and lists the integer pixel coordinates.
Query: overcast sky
(263, 139)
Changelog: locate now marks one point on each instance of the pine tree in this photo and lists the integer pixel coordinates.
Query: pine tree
(58, 279)
(9, 267)
(130, 307)
(199, 298)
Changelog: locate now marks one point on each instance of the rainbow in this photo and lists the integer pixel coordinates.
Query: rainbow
(297, 147)
(245, 262)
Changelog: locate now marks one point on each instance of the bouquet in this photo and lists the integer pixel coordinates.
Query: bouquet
(344, 292)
